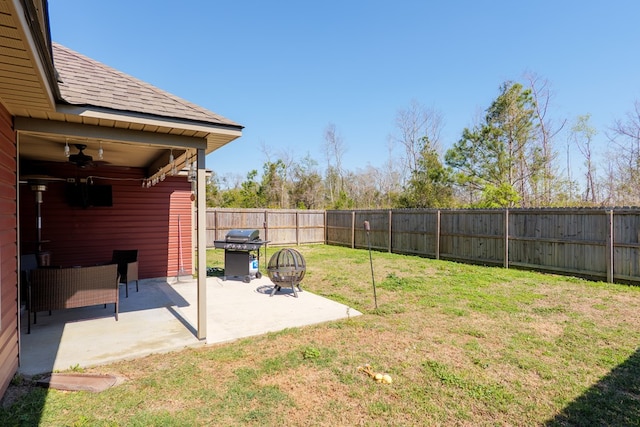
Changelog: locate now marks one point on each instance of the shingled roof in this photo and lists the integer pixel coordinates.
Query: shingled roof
(86, 82)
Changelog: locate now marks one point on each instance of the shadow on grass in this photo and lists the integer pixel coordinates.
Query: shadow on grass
(22, 404)
(613, 401)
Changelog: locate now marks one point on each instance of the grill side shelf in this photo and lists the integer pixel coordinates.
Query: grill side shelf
(237, 246)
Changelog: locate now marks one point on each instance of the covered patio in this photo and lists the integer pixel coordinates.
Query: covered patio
(162, 317)
(120, 165)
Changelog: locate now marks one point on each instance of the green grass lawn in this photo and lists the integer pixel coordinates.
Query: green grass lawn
(465, 345)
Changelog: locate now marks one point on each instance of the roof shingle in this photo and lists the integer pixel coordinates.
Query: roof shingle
(84, 81)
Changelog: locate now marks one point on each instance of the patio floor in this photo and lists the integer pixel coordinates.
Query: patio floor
(162, 317)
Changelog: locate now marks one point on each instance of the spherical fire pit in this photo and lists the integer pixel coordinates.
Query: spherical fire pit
(286, 268)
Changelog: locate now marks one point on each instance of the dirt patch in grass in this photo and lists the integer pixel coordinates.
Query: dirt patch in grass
(312, 391)
(585, 303)
(548, 330)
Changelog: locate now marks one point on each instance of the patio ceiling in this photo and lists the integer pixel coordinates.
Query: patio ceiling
(126, 141)
(50, 148)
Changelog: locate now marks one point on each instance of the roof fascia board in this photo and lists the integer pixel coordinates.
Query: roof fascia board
(80, 131)
(36, 48)
(104, 114)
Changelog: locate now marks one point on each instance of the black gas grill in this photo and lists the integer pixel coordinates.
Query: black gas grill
(241, 254)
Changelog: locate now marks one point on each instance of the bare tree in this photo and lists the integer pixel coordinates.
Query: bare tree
(274, 183)
(389, 180)
(334, 149)
(626, 157)
(306, 186)
(610, 191)
(414, 124)
(582, 134)
(283, 164)
(266, 151)
(365, 187)
(572, 186)
(230, 181)
(546, 131)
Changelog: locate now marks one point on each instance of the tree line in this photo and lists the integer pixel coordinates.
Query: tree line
(509, 158)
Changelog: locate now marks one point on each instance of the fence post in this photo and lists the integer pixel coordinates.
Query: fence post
(438, 234)
(353, 229)
(506, 238)
(215, 224)
(266, 226)
(390, 233)
(326, 228)
(297, 229)
(609, 248)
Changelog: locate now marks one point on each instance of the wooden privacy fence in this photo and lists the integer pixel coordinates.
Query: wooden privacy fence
(595, 243)
(279, 226)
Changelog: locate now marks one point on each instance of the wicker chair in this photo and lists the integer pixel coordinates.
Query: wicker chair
(28, 263)
(127, 261)
(56, 289)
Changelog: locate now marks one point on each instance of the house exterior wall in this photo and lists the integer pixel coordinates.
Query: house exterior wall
(8, 253)
(147, 219)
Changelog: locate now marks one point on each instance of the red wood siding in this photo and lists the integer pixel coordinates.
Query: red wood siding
(8, 253)
(140, 218)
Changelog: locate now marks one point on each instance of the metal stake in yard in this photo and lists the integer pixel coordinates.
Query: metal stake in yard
(367, 228)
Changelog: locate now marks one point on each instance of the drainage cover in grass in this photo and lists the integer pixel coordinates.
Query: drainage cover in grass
(94, 383)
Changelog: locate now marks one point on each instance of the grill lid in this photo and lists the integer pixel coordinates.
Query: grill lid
(240, 236)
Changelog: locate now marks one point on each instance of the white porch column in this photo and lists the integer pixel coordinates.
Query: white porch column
(201, 206)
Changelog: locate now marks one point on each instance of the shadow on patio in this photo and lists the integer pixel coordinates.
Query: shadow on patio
(162, 317)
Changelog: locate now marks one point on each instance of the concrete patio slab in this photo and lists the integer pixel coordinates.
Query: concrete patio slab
(162, 317)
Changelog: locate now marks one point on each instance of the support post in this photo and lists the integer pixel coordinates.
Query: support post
(201, 201)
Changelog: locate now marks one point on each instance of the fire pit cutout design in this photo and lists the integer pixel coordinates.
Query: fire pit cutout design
(286, 268)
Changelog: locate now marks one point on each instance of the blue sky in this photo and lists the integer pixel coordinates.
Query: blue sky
(287, 69)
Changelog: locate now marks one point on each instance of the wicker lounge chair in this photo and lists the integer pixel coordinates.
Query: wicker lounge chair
(55, 289)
